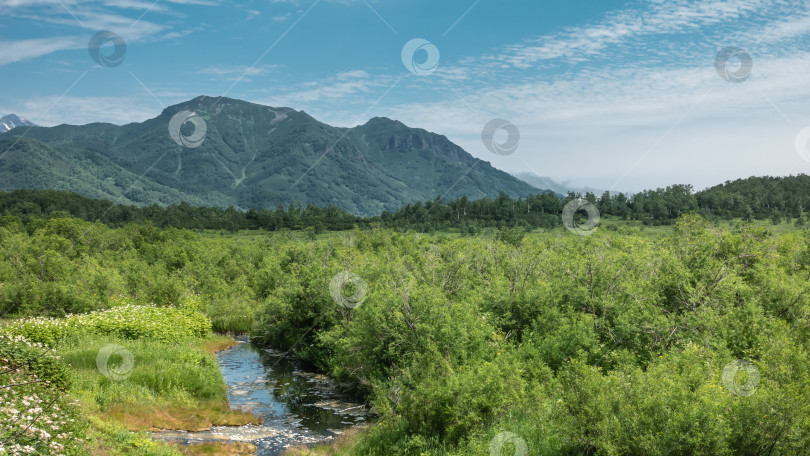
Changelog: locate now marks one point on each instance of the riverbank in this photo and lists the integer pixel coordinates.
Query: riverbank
(299, 407)
(156, 381)
(340, 446)
(180, 388)
(132, 370)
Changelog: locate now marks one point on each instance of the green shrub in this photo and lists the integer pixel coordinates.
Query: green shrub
(513, 236)
(436, 399)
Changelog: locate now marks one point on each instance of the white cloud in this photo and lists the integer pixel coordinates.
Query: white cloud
(124, 17)
(318, 96)
(142, 5)
(635, 100)
(23, 3)
(17, 50)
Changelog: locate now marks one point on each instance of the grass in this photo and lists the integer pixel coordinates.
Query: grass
(338, 447)
(216, 449)
(232, 317)
(170, 386)
(112, 438)
(216, 343)
(199, 417)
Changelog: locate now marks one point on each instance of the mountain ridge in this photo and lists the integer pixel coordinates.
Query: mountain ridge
(251, 156)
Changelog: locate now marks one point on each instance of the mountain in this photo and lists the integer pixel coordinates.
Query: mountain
(558, 187)
(11, 121)
(251, 156)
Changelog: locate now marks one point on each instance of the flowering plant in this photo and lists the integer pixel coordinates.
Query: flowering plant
(168, 324)
(36, 414)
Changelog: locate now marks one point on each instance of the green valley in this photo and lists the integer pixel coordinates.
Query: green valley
(621, 342)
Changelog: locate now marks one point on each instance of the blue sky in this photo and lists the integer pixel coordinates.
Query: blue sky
(608, 94)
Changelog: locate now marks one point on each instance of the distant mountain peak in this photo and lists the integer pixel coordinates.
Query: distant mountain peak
(562, 188)
(384, 120)
(209, 107)
(12, 121)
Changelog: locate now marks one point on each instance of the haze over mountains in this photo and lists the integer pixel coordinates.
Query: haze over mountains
(251, 156)
(563, 188)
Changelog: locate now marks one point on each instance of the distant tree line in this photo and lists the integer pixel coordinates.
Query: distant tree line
(33, 204)
(756, 198)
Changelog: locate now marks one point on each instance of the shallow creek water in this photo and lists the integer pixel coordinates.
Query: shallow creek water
(298, 405)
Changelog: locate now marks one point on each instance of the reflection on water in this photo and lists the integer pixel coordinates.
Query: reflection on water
(298, 406)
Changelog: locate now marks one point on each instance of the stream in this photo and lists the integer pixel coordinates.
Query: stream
(298, 405)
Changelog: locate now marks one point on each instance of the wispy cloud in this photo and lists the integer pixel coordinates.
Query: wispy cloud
(17, 50)
(237, 72)
(124, 17)
(137, 5)
(195, 2)
(639, 86)
(331, 98)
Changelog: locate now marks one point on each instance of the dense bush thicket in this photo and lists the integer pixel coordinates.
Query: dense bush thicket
(607, 344)
(60, 266)
(610, 344)
(760, 198)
